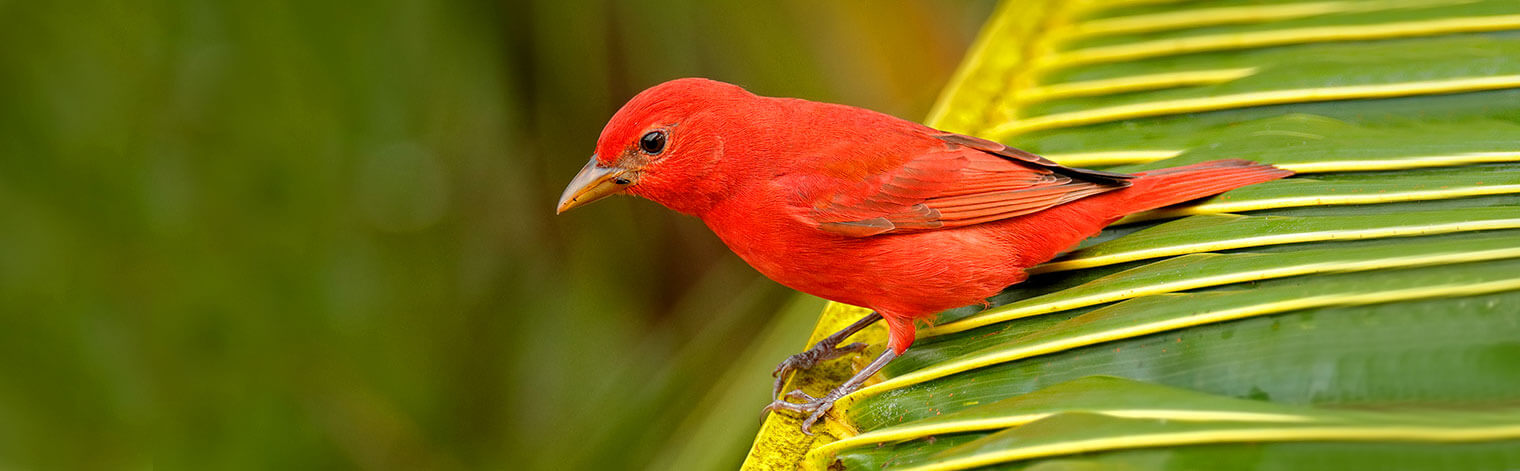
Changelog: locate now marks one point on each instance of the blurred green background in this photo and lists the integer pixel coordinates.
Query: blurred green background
(320, 235)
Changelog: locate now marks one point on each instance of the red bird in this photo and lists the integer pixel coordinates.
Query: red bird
(863, 208)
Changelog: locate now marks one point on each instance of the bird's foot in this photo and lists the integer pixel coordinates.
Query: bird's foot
(814, 407)
(825, 350)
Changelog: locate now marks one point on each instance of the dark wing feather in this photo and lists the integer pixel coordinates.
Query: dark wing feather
(972, 181)
(1001, 150)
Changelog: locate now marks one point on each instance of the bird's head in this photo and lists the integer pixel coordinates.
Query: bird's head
(663, 145)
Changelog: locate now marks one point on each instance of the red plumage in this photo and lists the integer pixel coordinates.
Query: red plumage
(871, 210)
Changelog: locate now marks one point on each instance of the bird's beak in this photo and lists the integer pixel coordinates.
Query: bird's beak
(595, 182)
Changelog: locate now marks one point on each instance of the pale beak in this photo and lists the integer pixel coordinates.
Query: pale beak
(594, 182)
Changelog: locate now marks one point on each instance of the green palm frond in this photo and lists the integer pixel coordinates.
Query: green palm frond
(1365, 312)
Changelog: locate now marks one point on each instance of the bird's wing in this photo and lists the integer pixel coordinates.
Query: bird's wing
(970, 181)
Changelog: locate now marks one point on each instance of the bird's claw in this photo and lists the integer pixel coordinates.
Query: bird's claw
(805, 360)
(815, 407)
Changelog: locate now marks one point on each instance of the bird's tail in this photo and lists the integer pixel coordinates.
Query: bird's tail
(1168, 186)
(1063, 226)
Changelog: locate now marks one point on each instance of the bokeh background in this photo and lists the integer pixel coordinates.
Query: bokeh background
(320, 235)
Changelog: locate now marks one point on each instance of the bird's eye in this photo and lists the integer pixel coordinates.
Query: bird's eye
(653, 142)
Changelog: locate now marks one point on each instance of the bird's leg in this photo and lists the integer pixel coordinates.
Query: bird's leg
(826, 349)
(815, 407)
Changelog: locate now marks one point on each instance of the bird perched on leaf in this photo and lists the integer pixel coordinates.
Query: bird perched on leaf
(863, 208)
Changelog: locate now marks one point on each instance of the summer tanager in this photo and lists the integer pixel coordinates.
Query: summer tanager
(863, 208)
